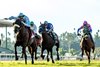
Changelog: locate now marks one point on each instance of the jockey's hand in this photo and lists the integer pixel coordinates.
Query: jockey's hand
(79, 34)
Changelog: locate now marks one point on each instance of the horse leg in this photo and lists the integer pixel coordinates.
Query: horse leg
(16, 57)
(82, 54)
(36, 54)
(47, 55)
(52, 56)
(30, 49)
(88, 55)
(42, 53)
(93, 48)
(32, 56)
(24, 52)
(57, 49)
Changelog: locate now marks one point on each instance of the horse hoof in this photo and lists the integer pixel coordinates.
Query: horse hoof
(32, 62)
(58, 59)
(53, 61)
(42, 56)
(47, 59)
(80, 59)
(94, 58)
(25, 62)
(16, 58)
(88, 62)
(36, 58)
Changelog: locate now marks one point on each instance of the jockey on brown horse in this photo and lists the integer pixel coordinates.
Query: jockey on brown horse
(86, 30)
(25, 20)
(50, 31)
(86, 42)
(22, 17)
(30, 25)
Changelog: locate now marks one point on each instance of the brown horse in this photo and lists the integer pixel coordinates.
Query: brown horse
(86, 45)
(23, 39)
(47, 43)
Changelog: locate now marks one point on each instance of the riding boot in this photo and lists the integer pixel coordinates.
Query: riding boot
(91, 39)
(53, 36)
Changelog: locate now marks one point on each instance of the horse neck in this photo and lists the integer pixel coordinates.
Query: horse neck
(46, 37)
(86, 42)
(23, 30)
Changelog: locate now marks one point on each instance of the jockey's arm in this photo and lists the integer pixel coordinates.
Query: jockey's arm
(25, 24)
(79, 29)
(90, 29)
(12, 17)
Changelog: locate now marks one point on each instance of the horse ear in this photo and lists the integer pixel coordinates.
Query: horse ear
(40, 23)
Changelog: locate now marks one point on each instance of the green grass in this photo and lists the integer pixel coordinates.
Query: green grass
(67, 63)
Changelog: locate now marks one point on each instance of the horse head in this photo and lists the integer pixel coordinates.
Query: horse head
(17, 25)
(42, 28)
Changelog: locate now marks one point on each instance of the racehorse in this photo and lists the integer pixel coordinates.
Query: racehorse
(86, 45)
(47, 43)
(23, 39)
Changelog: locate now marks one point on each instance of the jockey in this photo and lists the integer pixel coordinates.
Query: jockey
(86, 29)
(22, 17)
(49, 29)
(33, 27)
(49, 26)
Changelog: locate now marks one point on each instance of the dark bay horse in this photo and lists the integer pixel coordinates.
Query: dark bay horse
(47, 43)
(86, 45)
(23, 39)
